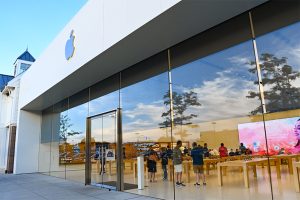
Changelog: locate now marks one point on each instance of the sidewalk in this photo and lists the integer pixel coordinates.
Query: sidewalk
(41, 187)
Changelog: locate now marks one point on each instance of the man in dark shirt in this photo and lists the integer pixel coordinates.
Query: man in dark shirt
(237, 152)
(206, 151)
(242, 148)
(197, 155)
(169, 152)
(164, 163)
(185, 151)
(231, 153)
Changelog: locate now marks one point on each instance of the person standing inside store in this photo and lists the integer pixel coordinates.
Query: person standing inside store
(164, 163)
(237, 152)
(152, 161)
(223, 151)
(185, 151)
(169, 152)
(102, 156)
(177, 161)
(124, 153)
(197, 155)
(242, 148)
(231, 153)
(206, 151)
(248, 151)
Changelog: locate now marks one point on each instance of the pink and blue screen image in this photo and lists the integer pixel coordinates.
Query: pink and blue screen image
(280, 134)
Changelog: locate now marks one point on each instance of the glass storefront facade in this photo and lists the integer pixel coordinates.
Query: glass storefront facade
(235, 83)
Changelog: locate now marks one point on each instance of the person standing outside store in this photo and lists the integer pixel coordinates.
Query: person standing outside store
(197, 155)
(177, 160)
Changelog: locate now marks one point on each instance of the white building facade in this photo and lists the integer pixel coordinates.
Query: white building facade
(10, 110)
(124, 76)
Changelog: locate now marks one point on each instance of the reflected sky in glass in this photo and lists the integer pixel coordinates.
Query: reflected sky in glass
(284, 42)
(221, 81)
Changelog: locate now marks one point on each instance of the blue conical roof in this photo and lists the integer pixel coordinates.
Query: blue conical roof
(4, 79)
(26, 56)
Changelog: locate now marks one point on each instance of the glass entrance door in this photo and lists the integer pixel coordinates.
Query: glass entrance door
(102, 150)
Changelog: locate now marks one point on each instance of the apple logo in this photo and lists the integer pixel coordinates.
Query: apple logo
(70, 48)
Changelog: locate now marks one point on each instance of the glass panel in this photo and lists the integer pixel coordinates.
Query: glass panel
(280, 64)
(213, 107)
(76, 142)
(109, 148)
(104, 104)
(24, 67)
(103, 150)
(96, 150)
(146, 130)
(105, 97)
(60, 123)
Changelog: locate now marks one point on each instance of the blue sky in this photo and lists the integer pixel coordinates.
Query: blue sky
(33, 23)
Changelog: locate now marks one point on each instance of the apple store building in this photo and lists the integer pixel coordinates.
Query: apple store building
(177, 99)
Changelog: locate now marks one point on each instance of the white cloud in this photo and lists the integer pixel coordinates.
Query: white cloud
(291, 52)
(104, 103)
(282, 44)
(222, 97)
(240, 61)
(144, 116)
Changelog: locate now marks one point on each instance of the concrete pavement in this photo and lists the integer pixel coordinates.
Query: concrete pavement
(41, 187)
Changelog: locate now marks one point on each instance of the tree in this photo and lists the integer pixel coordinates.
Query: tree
(181, 102)
(64, 128)
(277, 77)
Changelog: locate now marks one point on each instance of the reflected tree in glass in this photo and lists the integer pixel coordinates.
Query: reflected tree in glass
(65, 126)
(64, 133)
(277, 78)
(181, 102)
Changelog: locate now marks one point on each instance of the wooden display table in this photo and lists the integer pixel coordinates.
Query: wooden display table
(130, 161)
(210, 161)
(288, 158)
(170, 168)
(186, 166)
(245, 165)
(110, 164)
(296, 169)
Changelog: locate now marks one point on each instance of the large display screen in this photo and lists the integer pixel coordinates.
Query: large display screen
(281, 133)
